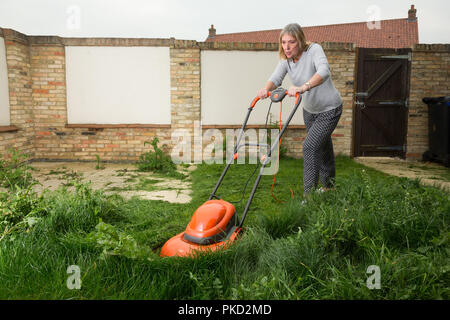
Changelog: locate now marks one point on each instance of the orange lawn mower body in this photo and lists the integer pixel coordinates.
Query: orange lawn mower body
(215, 224)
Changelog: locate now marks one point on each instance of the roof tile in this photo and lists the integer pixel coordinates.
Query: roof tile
(395, 33)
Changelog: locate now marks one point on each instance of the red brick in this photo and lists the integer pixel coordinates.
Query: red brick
(56, 83)
(43, 133)
(44, 91)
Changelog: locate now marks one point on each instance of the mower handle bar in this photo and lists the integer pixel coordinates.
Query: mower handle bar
(269, 93)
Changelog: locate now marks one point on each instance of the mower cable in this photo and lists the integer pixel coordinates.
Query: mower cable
(253, 173)
(278, 159)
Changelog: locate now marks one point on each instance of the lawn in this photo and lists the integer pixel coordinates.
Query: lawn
(319, 250)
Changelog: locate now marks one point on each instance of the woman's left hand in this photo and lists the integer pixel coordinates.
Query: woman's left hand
(293, 91)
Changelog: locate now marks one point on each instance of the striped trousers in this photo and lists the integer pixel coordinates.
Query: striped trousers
(318, 154)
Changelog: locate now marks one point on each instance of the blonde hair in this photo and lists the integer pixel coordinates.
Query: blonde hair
(294, 30)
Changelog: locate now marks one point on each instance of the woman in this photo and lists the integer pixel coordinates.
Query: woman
(309, 71)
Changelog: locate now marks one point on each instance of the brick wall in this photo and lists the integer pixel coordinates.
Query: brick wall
(430, 75)
(185, 90)
(49, 96)
(37, 85)
(54, 138)
(21, 130)
(342, 60)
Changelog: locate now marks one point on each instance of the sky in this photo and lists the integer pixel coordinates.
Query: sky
(191, 19)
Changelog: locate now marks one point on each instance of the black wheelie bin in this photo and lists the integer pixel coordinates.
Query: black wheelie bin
(438, 130)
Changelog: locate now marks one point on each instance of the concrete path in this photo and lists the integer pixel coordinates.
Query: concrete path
(429, 173)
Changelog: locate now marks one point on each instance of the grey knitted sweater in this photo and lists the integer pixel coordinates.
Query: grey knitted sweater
(319, 99)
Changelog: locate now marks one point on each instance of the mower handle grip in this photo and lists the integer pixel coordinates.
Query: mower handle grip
(297, 95)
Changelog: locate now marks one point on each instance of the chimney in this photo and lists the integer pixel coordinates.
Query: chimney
(212, 32)
(412, 14)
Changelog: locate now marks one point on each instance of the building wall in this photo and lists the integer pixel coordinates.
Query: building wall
(185, 100)
(342, 59)
(20, 131)
(40, 102)
(49, 99)
(58, 138)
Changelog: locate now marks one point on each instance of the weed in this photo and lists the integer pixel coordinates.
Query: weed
(155, 160)
(56, 172)
(99, 165)
(15, 172)
(121, 172)
(20, 210)
(72, 178)
(116, 242)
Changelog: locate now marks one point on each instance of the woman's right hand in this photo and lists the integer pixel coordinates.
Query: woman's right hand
(262, 93)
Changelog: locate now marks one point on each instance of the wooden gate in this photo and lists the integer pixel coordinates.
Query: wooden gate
(381, 102)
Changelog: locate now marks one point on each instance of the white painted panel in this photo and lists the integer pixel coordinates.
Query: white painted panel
(4, 90)
(230, 81)
(118, 85)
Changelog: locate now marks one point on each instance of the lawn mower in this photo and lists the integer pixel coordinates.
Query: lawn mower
(215, 223)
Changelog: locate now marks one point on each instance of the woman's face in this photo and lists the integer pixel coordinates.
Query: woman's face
(290, 46)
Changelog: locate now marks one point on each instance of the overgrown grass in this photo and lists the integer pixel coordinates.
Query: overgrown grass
(320, 250)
